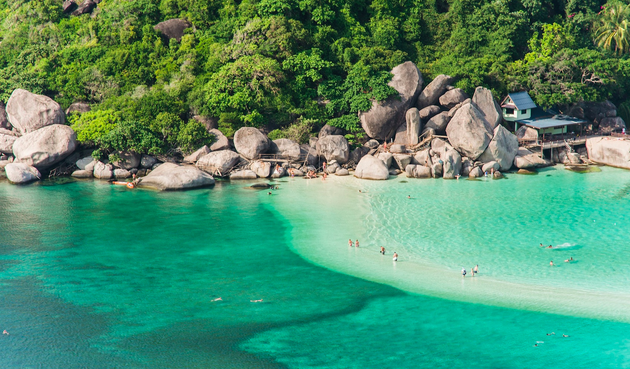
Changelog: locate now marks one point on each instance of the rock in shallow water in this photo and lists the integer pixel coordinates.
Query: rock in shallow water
(170, 176)
(20, 173)
(371, 168)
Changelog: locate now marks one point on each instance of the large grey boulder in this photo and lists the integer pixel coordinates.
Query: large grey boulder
(440, 147)
(469, 132)
(218, 162)
(334, 147)
(83, 162)
(596, 111)
(475, 172)
(358, 153)
(243, 174)
(171, 176)
(438, 123)
(250, 142)
(6, 143)
(371, 168)
(604, 150)
(221, 142)
(452, 164)
(402, 160)
(433, 91)
(382, 120)
(417, 171)
(68, 6)
(261, 168)
(78, 107)
(45, 146)
(192, 158)
(437, 169)
(342, 172)
(488, 106)
(4, 120)
(286, 148)
(329, 131)
(452, 97)
(21, 173)
(386, 158)
(428, 112)
(121, 173)
(526, 134)
(82, 173)
(451, 113)
(414, 126)
(103, 171)
(128, 160)
(371, 144)
(147, 161)
(86, 7)
(310, 153)
(490, 167)
(502, 148)
(611, 124)
(526, 159)
(173, 28)
(28, 112)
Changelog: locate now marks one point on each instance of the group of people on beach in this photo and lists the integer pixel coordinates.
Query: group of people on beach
(474, 270)
(382, 251)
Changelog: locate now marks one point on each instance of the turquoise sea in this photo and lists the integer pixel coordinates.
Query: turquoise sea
(98, 276)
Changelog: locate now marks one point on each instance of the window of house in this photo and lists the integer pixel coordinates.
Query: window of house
(509, 111)
(523, 111)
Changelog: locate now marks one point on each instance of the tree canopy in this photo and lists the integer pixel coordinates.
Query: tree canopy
(291, 66)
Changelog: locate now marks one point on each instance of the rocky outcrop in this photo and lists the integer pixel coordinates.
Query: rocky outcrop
(221, 142)
(218, 162)
(6, 143)
(428, 112)
(83, 162)
(612, 152)
(45, 146)
(286, 148)
(382, 120)
(371, 144)
(81, 173)
(68, 6)
(329, 131)
(250, 142)
(371, 168)
(453, 110)
(488, 106)
(414, 126)
(243, 174)
(469, 132)
(170, 176)
(192, 158)
(4, 120)
(78, 107)
(342, 172)
(358, 153)
(452, 97)
(596, 111)
(437, 169)
(490, 167)
(103, 171)
(431, 94)
(475, 172)
(278, 172)
(386, 158)
(261, 168)
(438, 123)
(402, 160)
(527, 134)
(86, 7)
(417, 171)
(128, 160)
(173, 28)
(334, 147)
(28, 112)
(147, 161)
(21, 173)
(121, 173)
(611, 124)
(452, 164)
(310, 154)
(526, 159)
(502, 148)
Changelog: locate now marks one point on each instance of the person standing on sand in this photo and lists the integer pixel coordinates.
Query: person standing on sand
(382, 250)
(463, 272)
(356, 244)
(475, 269)
(472, 272)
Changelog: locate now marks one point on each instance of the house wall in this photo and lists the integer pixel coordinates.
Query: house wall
(517, 115)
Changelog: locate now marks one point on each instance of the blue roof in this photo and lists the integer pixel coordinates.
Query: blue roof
(547, 119)
(522, 100)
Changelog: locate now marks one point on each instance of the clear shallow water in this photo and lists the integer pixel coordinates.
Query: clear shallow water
(97, 276)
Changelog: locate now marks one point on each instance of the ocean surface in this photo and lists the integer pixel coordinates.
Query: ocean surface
(98, 276)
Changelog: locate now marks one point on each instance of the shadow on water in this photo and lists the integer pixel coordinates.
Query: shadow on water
(623, 192)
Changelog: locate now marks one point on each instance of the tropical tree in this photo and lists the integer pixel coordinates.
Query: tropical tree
(612, 28)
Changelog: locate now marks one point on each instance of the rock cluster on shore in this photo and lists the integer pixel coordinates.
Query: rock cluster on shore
(433, 132)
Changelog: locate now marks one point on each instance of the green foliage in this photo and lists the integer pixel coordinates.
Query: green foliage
(282, 63)
(192, 136)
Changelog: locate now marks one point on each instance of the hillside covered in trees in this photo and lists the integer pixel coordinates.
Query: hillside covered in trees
(290, 66)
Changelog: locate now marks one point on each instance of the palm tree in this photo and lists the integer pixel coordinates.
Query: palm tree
(612, 29)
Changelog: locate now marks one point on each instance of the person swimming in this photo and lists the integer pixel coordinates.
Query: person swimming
(356, 244)
(476, 269)
(5, 332)
(408, 196)
(565, 335)
(382, 250)
(551, 263)
(551, 334)
(350, 243)
(569, 260)
(261, 300)
(395, 258)
(463, 272)
(218, 299)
